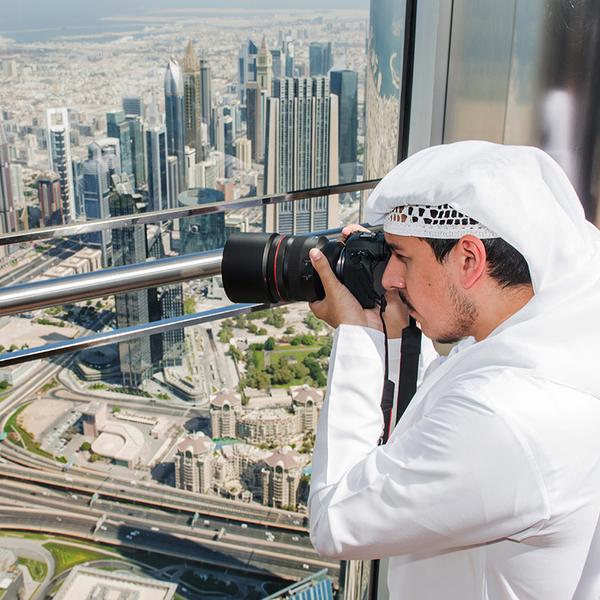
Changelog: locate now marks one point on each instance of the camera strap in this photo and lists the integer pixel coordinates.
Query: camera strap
(410, 350)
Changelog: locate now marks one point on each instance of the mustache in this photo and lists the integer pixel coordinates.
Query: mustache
(405, 300)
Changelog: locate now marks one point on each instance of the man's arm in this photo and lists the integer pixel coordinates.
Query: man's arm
(459, 476)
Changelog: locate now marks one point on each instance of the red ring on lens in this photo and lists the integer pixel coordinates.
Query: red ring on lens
(275, 266)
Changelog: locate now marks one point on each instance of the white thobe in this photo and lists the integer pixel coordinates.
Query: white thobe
(489, 490)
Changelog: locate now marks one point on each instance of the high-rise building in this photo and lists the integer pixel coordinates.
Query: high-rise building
(117, 127)
(7, 202)
(156, 155)
(281, 478)
(288, 48)
(256, 97)
(59, 148)
(138, 159)
(264, 67)
(301, 152)
(192, 100)
(77, 166)
(129, 247)
(190, 167)
(320, 56)
(96, 191)
(206, 94)
(48, 185)
(165, 302)
(344, 84)
(193, 464)
(247, 65)
(173, 188)
(201, 233)
(278, 59)
(243, 153)
(132, 105)
(225, 407)
(174, 118)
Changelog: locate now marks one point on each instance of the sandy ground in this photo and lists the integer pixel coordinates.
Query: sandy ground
(40, 414)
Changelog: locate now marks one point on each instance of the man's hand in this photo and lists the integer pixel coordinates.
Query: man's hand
(340, 307)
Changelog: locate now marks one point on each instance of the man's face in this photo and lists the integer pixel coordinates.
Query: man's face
(429, 288)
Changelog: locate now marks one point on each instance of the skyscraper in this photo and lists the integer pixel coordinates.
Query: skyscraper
(117, 127)
(301, 152)
(264, 67)
(132, 105)
(165, 302)
(7, 204)
(192, 99)
(96, 190)
(175, 121)
(48, 185)
(320, 56)
(256, 95)
(205, 93)
(344, 84)
(247, 66)
(173, 188)
(138, 159)
(59, 148)
(129, 247)
(156, 149)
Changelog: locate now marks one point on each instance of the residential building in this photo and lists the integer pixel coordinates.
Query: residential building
(301, 152)
(48, 186)
(193, 464)
(59, 148)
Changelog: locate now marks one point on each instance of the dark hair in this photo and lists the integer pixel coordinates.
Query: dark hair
(504, 262)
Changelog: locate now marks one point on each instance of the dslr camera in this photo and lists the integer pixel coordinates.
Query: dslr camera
(272, 267)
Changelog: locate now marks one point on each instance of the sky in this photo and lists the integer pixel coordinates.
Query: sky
(33, 14)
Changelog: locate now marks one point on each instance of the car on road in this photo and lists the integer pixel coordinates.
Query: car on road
(244, 526)
(295, 538)
(305, 566)
(155, 528)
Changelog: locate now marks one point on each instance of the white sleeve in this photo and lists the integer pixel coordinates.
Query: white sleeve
(457, 477)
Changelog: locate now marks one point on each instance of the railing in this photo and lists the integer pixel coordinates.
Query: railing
(42, 294)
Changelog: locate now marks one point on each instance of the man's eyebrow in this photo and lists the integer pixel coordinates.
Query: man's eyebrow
(394, 246)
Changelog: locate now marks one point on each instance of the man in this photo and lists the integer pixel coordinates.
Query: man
(489, 486)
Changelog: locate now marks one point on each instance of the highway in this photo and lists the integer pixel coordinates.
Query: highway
(91, 505)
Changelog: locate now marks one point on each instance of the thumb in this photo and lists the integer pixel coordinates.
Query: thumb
(322, 267)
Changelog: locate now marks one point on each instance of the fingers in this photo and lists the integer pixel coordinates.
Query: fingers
(326, 275)
(350, 229)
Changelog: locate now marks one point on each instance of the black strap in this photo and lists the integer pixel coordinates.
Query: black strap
(410, 349)
(387, 397)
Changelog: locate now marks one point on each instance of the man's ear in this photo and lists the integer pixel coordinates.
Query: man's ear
(471, 257)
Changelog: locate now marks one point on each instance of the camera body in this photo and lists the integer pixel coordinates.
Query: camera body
(262, 267)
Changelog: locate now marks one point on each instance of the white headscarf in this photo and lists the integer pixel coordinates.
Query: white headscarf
(522, 194)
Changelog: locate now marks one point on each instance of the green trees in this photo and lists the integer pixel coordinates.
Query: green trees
(269, 344)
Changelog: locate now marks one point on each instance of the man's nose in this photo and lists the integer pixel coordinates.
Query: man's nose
(393, 276)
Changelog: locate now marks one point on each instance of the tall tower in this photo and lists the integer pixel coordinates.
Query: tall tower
(156, 165)
(175, 121)
(129, 247)
(48, 185)
(301, 152)
(344, 84)
(264, 67)
(320, 58)
(7, 205)
(59, 147)
(138, 158)
(191, 100)
(205, 94)
(96, 190)
(117, 127)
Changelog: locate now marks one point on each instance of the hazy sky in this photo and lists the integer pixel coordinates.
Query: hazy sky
(24, 14)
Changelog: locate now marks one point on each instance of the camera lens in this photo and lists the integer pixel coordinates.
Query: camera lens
(271, 267)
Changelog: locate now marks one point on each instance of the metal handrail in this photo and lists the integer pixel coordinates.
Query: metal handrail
(126, 333)
(163, 271)
(61, 231)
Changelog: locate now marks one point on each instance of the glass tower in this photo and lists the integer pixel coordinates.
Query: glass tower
(344, 84)
(175, 121)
